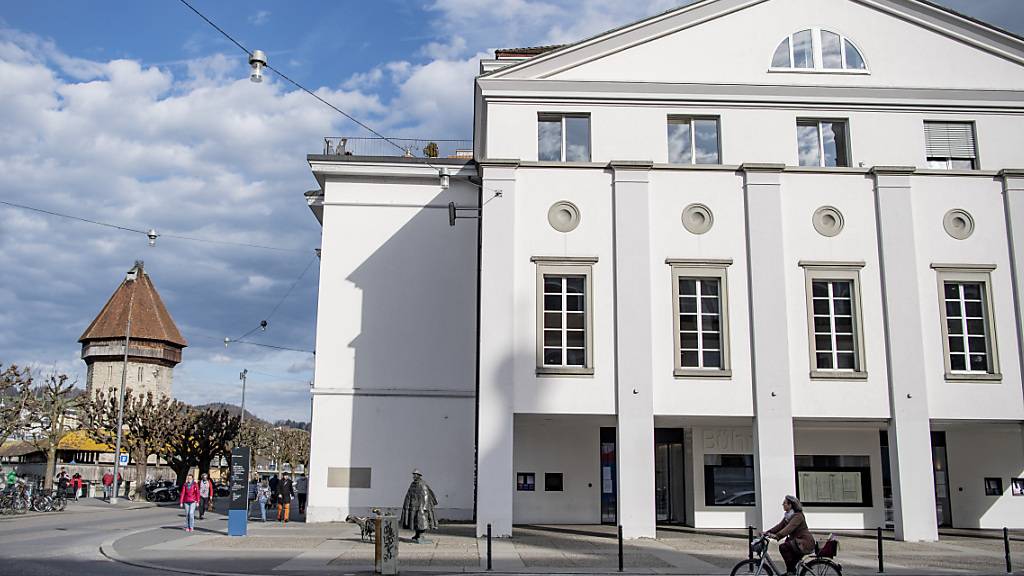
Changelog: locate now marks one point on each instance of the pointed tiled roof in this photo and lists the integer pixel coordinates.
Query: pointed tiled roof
(150, 319)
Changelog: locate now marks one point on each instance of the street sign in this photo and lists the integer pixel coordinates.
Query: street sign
(238, 508)
(123, 458)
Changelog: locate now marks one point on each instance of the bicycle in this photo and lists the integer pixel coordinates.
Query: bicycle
(820, 564)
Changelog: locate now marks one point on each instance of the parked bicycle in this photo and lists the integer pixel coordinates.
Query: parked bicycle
(820, 563)
(14, 500)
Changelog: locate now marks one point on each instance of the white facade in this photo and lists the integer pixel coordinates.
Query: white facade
(408, 375)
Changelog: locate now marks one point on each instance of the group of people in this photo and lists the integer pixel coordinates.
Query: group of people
(74, 481)
(196, 495)
(279, 492)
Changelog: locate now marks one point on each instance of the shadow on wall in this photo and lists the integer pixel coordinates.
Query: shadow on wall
(415, 360)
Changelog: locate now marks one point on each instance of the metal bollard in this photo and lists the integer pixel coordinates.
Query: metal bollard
(488, 547)
(750, 542)
(881, 561)
(1006, 549)
(620, 547)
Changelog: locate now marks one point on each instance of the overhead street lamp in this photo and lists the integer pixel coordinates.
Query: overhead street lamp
(133, 278)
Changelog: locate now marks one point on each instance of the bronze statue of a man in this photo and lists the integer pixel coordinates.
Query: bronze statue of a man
(418, 510)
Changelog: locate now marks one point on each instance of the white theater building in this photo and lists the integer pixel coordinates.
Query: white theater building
(738, 250)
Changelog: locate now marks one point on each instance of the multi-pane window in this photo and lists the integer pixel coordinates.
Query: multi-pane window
(565, 309)
(564, 316)
(563, 136)
(834, 338)
(951, 145)
(968, 322)
(693, 140)
(701, 321)
(967, 335)
(834, 327)
(823, 142)
(818, 49)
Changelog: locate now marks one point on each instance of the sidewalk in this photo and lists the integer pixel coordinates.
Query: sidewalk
(274, 548)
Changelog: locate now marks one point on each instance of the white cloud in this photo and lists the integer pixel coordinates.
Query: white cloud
(260, 18)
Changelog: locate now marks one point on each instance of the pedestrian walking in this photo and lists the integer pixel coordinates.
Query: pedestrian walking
(263, 496)
(205, 494)
(302, 492)
(76, 485)
(108, 484)
(285, 491)
(188, 500)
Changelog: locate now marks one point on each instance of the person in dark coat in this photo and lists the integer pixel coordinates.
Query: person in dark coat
(798, 538)
(284, 498)
(418, 509)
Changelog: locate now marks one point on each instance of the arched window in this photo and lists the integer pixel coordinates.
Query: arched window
(817, 49)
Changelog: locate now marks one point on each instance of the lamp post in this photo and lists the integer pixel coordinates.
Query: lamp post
(133, 278)
(241, 376)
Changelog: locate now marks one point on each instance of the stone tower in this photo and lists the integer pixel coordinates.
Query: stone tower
(155, 344)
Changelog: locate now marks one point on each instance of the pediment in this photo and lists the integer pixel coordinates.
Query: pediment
(904, 43)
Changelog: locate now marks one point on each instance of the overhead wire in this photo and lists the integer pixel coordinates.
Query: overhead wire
(497, 193)
(263, 323)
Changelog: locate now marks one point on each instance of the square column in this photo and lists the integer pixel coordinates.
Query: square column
(910, 446)
(634, 372)
(495, 396)
(774, 465)
(1013, 205)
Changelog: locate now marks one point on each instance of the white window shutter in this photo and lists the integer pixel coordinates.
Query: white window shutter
(950, 140)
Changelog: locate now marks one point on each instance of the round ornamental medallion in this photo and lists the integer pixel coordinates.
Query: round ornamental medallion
(958, 223)
(564, 216)
(828, 221)
(697, 218)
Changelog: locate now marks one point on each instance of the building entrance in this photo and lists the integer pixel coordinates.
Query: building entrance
(943, 510)
(669, 476)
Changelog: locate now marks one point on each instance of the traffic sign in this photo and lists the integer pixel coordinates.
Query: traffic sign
(123, 458)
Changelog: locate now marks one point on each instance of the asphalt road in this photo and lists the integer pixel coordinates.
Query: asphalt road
(68, 542)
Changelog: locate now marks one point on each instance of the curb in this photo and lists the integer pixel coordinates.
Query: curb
(108, 551)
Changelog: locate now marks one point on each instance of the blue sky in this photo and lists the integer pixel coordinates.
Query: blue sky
(138, 113)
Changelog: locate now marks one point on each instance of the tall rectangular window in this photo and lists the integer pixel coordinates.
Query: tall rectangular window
(968, 332)
(835, 336)
(951, 145)
(563, 136)
(564, 316)
(700, 317)
(693, 140)
(823, 143)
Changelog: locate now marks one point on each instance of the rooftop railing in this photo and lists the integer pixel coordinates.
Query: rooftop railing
(409, 147)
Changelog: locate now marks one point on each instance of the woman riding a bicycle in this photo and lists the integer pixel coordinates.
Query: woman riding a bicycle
(793, 527)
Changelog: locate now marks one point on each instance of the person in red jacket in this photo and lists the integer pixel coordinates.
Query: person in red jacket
(189, 499)
(108, 483)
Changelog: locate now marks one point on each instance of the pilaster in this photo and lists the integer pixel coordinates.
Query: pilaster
(495, 396)
(1013, 205)
(773, 407)
(909, 426)
(633, 345)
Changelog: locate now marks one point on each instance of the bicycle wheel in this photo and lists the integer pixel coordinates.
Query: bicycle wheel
(748, 567)
(60, 504)
(821, 567)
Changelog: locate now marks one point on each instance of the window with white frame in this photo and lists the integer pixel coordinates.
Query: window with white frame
(823, 143)
(693, 140)
(951, 145)
(820, 50)
(564, 316)
(968, 323)
(563, 137)
(700, 317)
(834, 325)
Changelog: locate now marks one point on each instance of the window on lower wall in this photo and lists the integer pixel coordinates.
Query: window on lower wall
(834, 320)
(564, 316)
(993, 486)
(836, 481)
(700, 318)
(729, 480)
(968, 330)
(526, 482)
(552, 481)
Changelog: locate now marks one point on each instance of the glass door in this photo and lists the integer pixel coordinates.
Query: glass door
(608, 479)
(940, 462)
(669, 485)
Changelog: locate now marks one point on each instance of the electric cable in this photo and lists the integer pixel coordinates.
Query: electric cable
(497, 193)
(263, 323)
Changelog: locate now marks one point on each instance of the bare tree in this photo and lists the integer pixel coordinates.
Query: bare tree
(53, 408)
(257, 435)
(15, 391)
(182, 448)
(214, 430)
(149, 425)
(290, 446)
